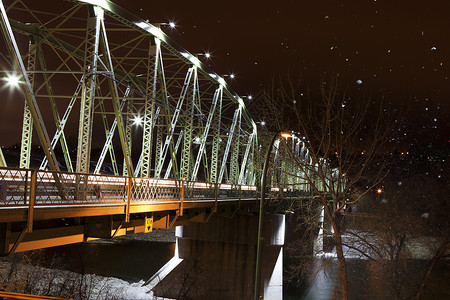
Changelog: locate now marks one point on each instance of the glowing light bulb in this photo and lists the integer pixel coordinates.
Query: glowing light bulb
(286, 135)
(137, 120)
(12, 80)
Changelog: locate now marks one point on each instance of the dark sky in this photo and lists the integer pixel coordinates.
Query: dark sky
(394, 49)
(398, 50)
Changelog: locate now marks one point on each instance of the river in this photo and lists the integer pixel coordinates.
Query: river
(136, 260)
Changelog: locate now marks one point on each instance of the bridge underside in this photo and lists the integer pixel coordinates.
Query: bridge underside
(62, 226)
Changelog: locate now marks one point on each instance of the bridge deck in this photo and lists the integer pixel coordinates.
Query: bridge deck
(51, 195)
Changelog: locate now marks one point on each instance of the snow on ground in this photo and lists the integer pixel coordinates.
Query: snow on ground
(99, 287)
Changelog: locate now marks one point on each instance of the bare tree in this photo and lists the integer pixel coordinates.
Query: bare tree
(341, 138)
(408, 222)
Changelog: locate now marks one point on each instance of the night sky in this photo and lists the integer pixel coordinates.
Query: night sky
(395, 50)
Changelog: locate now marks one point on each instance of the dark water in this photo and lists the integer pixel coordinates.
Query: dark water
(362, 280)
(139, 260)
(128, 260)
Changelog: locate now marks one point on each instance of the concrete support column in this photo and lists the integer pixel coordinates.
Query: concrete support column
(219, 257)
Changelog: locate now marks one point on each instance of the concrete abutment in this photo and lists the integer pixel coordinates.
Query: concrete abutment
(217, 260)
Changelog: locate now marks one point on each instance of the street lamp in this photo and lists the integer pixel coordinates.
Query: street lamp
(232, 76)
(261, 208)
(206, 54)
(171, 24)
(12, 80)
(137, 120)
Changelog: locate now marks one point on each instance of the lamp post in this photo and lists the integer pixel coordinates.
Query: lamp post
(261, 210)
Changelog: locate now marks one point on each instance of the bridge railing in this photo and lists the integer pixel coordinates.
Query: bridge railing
(47, 188)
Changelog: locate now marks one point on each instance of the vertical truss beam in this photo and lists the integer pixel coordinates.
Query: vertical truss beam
(188, 128)
(216, 139)
(109, 136)
(128, 128)
(27, 124)
(276, 165)
(159, 145)
(244, 165)
(27, 89)
(177, 145)
(171, 128)
(204, 137)
(56, 117)
(88, 91)
(223, 167)
(108, 133)
(2, 159)
(149, 107)
(115, 99)
(234, 162)
(63, 122)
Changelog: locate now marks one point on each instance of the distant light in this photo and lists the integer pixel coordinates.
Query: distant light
(137, 120)
(172, 24)
(12, 80)
(263, 123)
(208, 55)
(197, 139)
(232, 76)
(250, 97)
(286, 135)
(359, 81)
(379, 191)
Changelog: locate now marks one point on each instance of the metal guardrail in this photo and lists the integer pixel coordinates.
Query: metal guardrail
(9, 295)
(22, 187)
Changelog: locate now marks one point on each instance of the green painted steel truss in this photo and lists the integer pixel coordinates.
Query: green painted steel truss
(123, 89)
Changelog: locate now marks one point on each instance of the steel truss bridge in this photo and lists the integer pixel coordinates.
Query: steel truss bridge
(90, 70)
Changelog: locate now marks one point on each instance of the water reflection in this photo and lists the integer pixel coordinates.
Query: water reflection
(361, 281)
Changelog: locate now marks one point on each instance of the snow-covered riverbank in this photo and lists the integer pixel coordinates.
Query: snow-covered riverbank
(23, 277)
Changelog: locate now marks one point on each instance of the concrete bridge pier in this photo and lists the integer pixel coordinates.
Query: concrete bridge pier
(217, 259)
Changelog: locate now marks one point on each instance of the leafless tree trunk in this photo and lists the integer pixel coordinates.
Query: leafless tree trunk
(343, 137)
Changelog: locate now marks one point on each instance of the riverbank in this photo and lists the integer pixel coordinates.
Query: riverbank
(100, 269)
(24, 277)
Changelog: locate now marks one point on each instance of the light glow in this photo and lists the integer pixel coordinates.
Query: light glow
(172, 24)
(12, 80)
(379, 191)
(137, 120)
(286, 135)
